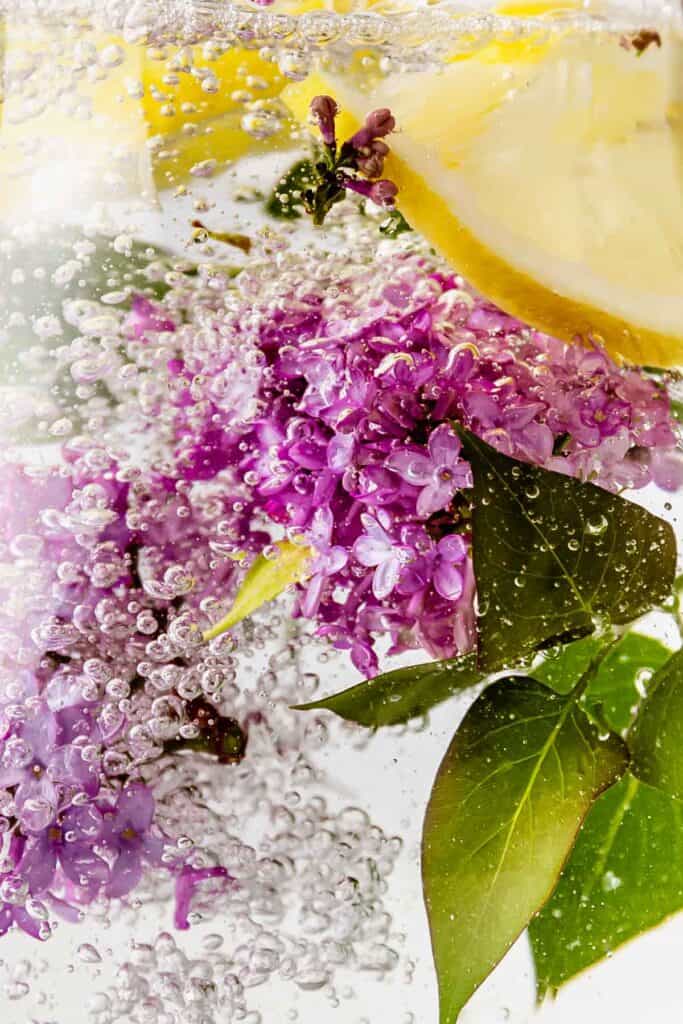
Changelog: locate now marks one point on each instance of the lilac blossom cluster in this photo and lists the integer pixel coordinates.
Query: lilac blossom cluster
(352, 448)
(319, 404)
(98, 561)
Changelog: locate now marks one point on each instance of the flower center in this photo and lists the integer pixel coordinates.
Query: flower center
(129, 833)
(445, 474)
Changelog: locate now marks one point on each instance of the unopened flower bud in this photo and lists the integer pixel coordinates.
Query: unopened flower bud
(383, 192)
(324, 110)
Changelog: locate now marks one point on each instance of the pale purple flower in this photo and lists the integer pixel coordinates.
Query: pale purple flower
(330, 559)
(439, 471)
(127, 834)
(379, 550)
(450, 557)
(34, 761)
(69, 844)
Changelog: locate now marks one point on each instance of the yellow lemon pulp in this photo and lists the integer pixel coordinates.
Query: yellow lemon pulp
(554, 184)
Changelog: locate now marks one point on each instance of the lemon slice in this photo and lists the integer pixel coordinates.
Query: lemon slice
(555, 185)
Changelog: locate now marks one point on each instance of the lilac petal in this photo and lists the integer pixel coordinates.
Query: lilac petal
(186, 883)
(6, 919)
(311, 600)
(126, 873)
(66, 765)
(31, 925)
(371, 552)
(11, 777)
(134, 809)
(448, 581)
(453, 548)
(386, 577)
(336, 560)
(83, 867)
(434, 497)
(39, 863)
(413, 467)
(340, 452)
(444, 446)
(152, 848)
(321, 528)
(41, 733)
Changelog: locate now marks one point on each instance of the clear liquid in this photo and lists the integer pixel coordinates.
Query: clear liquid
(138, 148)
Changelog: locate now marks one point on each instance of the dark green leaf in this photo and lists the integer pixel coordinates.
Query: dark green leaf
(625, 875)
(284, 201)
(656, 739)
(618, 684)
(553, 556)
(510, 795)
(394, 225)
(398, 696)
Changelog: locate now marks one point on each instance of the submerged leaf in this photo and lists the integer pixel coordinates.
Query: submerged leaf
(265, 580)
(284, 201)
(619, 681)
(656, 739)
(625, 875)
(398, 696)
(554, 557)
(510, 795)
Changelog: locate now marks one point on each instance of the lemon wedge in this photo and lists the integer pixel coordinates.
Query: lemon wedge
(554, 185)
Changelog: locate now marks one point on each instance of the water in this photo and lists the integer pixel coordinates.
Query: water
(195, 373)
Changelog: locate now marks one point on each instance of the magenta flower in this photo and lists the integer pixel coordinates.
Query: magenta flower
(127, 834)
(378, 549)
(450, 558)
(146, 317)
(439, 472)
(187, 882)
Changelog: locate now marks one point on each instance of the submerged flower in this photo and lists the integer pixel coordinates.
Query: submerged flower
(127, 834)
(377, 549)
(439, 471)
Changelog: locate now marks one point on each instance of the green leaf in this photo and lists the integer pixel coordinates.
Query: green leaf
(284, 201)
(656, 739)
(510, 795)
(266, 579)
(398, 696)
(617, 686)
(554, 556)
(394, 225)
(625, 875)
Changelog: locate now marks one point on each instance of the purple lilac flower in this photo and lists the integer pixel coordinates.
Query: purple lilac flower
(40, 767)
(127, 833)
(68, 844)
(439, 472)
(378, 550)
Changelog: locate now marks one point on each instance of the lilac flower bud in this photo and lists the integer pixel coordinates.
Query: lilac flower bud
(371, 163)
(380, 122)
(383, 192)
(377, 124)
(324, 110)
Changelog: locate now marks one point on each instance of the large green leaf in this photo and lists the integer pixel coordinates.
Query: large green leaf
(656, 739)
(510, 795)
(398, 696)
(554, 556)
(618, 684)
(625, 875)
